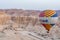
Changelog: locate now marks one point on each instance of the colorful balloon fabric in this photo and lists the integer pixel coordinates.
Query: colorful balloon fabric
(48, 18)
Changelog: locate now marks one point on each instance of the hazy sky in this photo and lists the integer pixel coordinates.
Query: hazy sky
(30, 4)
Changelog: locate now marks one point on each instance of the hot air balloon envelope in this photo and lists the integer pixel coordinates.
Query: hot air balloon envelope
(48, 18)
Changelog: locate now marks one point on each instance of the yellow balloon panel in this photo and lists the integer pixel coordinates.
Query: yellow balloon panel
(49, 13)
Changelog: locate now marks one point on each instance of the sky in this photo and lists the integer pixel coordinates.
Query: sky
(30, 4)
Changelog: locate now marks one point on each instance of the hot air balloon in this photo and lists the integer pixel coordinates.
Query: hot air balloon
(48, 18)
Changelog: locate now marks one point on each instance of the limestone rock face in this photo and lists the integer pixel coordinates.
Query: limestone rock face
(55, 32)
(4, 18)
